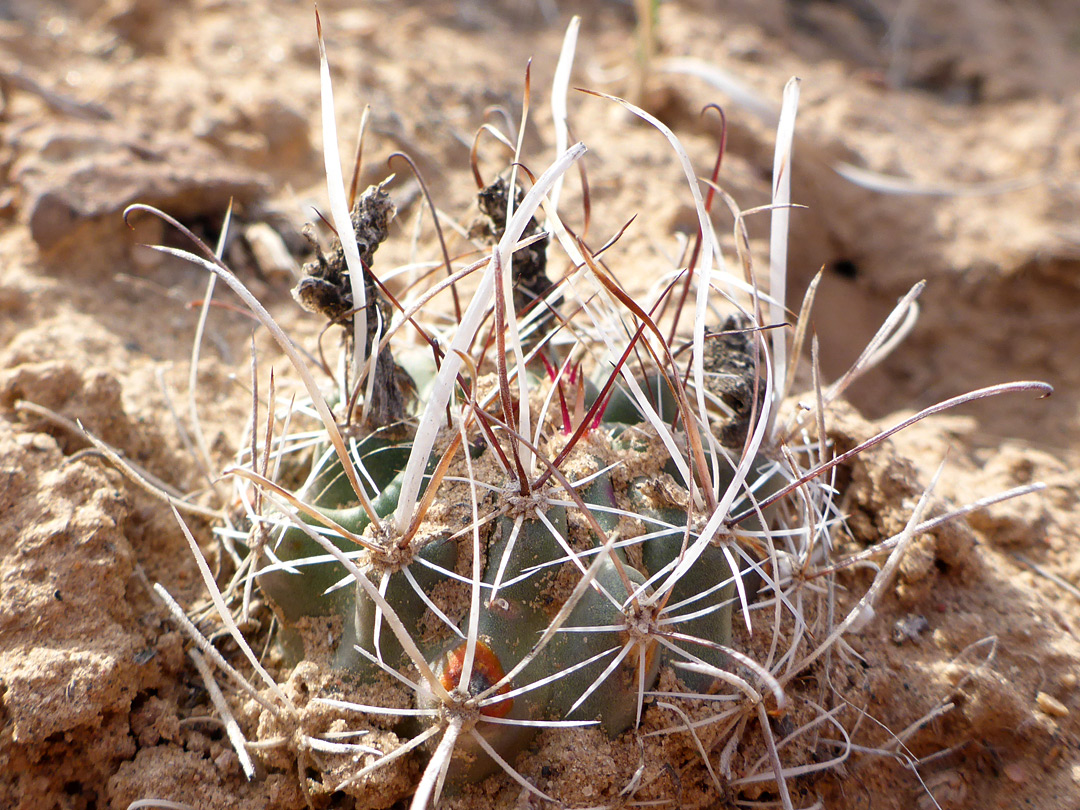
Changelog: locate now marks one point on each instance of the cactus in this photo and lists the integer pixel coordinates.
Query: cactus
(545, 523)
(573, 614)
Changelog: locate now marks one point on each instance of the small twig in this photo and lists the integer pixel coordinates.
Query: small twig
(232, 728)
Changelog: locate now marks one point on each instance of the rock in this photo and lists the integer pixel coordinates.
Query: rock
(89, 173)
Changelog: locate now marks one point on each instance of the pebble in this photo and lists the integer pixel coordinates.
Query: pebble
(270, 252)
(1048, 704)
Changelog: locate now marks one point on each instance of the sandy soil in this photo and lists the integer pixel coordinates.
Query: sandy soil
(186, 104)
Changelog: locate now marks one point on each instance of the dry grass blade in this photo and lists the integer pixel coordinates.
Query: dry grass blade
(339, 208)
(778, 230)
(232, 730)
(146, 481)
(215, 266)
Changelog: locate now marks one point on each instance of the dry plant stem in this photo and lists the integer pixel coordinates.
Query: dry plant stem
(215, 266)
(158, 804)
(1061, 582)
(145, 480)
(226, 615)
(1042, 388)
(178, 615)
(232, 729)
(339, 212)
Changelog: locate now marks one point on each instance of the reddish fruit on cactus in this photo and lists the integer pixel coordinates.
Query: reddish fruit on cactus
(486, 672)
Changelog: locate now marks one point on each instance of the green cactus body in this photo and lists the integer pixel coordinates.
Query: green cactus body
(600, 654)
(596, 627)
(697, 588)
(382, 459)
(597, 666)
(509, 625)
(623, 408)
(368, 630)
(308, 593)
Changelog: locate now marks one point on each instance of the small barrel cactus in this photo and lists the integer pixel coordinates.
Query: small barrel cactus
(572, 616)
(520, 532)
(542, 519)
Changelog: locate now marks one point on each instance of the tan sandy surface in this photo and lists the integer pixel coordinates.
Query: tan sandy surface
(185, 104)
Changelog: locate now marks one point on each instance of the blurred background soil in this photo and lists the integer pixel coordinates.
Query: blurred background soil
(969, 107)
